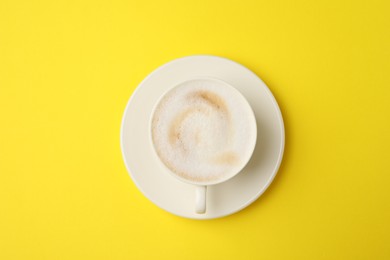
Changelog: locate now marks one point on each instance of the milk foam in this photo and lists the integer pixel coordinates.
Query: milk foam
(202, 131)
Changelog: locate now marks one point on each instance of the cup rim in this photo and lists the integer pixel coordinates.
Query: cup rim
(253, 125)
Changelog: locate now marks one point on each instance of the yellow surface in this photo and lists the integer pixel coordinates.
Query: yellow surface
(67, 69)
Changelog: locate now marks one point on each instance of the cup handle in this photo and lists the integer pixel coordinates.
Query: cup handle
(200, 199)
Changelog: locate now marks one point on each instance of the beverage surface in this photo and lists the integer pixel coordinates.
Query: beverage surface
(202, 130)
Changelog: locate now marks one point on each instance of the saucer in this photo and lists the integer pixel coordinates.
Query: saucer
(177, 197)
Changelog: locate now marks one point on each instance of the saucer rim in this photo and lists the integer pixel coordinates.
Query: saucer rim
(271, 176)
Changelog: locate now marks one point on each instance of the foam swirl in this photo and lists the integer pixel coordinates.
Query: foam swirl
(208, 106)
(194, 131)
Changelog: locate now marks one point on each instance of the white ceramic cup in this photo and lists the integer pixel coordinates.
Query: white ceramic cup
(201, 187)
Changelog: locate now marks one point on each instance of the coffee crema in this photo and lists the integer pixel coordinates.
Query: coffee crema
(202, 130)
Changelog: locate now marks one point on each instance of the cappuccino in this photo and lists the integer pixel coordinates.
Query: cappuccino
(203, 130)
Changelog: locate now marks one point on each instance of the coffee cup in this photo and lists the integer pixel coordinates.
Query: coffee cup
(203, 131)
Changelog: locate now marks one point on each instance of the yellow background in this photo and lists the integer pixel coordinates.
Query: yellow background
(68, 68)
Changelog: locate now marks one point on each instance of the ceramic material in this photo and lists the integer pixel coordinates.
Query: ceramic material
(245, 112)
(173, 195)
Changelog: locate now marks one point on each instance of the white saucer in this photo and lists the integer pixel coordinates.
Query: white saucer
(169, 193)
